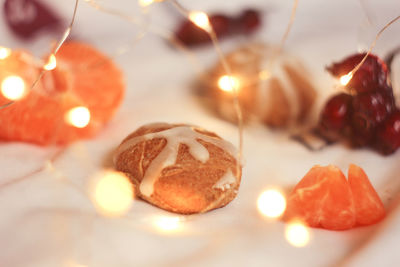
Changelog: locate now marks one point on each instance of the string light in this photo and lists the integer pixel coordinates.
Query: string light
(145, 3)
(345, 79)
(271, 203)
(167, 224)
(4, 52)
(51, 63)
(13, 87)
(113, 193)
(297, 234)
(200, 19)
(78, 117)
(228, 83)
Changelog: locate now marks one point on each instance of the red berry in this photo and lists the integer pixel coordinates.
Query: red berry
(388, 135)
(189, 34)
(336, 113)
(250, 21)
(371, 76)
(28, 17)
(369, 110)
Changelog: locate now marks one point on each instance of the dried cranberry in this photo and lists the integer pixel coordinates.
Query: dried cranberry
(369, 110)
(27, 17)
(189, 34)
(249, 21)
(336, 113)
(388, 135)
(371, 76)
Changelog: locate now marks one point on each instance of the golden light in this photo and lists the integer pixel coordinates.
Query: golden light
(51, 63)
(13, 87)
(228, 83)
(200, 19)
(297, 234)
(271, 203)
(78, 117)
(4, 52)
(144, 3)
(264, 75)
(168, 224)
(113, 193)
(345, 79)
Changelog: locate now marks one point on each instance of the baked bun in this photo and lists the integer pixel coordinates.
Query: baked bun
(180, 168)
(274, 88)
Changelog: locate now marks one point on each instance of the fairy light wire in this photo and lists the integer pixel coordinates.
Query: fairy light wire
(358, 66)
(289, 26)
(163, 33)
(228, 71)
(55, 50)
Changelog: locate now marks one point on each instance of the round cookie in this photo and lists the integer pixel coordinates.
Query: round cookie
(180, 168)
(274, 88)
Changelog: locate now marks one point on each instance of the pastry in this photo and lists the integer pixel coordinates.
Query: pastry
(273, 87)
(180, 168)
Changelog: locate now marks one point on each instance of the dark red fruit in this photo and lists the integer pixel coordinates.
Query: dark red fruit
(369, 110)
(336, 113)
(388, 135)
(250, 21)
(371, 76)
(190, 34)
(28, 17)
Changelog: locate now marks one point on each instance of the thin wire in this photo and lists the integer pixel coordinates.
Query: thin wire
(289, 26)
(55, 50)
(356, 68)
(169, 36)
(228, 71)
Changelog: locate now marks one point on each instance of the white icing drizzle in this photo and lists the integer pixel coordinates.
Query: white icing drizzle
(167, 157)
(225, 181)
(278, 71)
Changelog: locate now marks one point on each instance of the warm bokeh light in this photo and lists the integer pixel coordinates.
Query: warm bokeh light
(228, 83)
(200, 19)
(345, 79)
(51, 63)
(113, 193)
(264, 75)
(4, 52)
(13, 87)
(78, 117)
(168, 224)
(271, 203)
(144, 3)
(297, 234)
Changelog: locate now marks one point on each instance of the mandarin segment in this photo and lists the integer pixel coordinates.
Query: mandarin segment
(368, 206)
(83, 77)
(322, 199)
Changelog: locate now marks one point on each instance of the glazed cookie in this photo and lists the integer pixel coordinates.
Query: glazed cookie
(180, 168)
(273, 88)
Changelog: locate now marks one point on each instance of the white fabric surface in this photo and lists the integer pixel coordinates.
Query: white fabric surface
(48, 220)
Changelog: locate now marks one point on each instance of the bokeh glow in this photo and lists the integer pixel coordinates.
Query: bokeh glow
(113, 193)
(228, 83)
(345, 79)
(4, 52)
(167, 224)
(13, 87)
(297, 234)
(78, 117)
(271, 203)
(200, 19)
